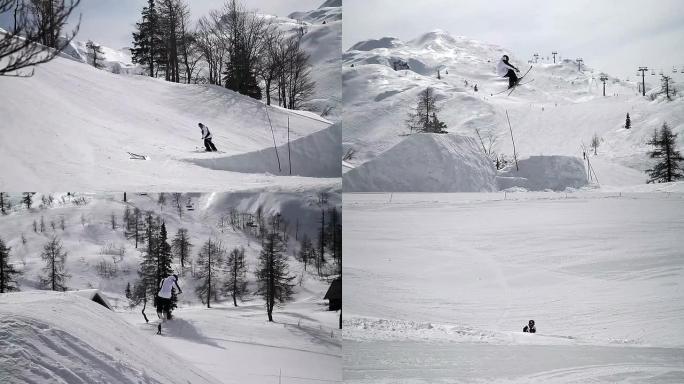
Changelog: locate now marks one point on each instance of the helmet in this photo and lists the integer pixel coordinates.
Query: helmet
(531, 323)
(505, 57)
(200, 125)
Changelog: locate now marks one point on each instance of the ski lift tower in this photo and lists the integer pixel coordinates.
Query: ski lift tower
(603, 78)
(554, 53)
(579, 64)
(643, 80)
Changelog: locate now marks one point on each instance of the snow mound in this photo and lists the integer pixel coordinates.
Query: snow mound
(331, 10)
(64, 338)
(369, 45)
(539, 173)
(426, 163)
(315, 155)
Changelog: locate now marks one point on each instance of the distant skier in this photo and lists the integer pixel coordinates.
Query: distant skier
(164, 296)
(206, 135)
(530, 327)
(506, 69)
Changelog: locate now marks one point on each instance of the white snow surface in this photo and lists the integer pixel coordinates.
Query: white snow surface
(425, 163)
(303, 155)
(554, 115)
(539, 173)
(455, 277)
(70, 126)
(51, 337)
(224, 344)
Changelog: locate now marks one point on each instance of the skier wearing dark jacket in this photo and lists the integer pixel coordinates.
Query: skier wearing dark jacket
(530, 327)
(206, 136)
(506, 69)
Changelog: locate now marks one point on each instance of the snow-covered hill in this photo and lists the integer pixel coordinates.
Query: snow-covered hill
(222, 341)
(455, 277)
(323, 42)
(554, 115)
(70, 126)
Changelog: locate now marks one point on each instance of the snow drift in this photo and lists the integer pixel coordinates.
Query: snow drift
(64, 338)
(316, 155)
(426, 163)
(538, 173)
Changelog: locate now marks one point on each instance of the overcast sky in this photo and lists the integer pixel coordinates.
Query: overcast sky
(616, 36)
(111, 22)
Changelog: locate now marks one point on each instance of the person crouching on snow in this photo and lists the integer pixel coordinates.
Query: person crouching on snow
(206, 135)
(506, 69)
(164, 295)
(530, 327)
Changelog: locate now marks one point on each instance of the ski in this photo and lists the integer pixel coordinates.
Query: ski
(510, 89)
(516, 86)
(135, 156)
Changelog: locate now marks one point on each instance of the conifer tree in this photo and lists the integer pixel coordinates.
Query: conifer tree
(181, 246)
(628, 122)
(236, 266)
(95, 54)
(27, 199)
(147, 41)
(55, 272)
(275, 282)
(209, 262)
(8, 274)
(668, 168)
(4, 203)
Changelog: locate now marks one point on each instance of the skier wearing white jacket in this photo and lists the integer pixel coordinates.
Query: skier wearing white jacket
(164, 295)
(206, 136)
(506, 69)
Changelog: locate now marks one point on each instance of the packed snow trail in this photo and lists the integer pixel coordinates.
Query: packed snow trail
(90, 118)
(601, 275)
(64, 338)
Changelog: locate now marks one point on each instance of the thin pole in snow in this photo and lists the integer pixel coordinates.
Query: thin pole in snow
(515, 156)
(274, 141)
(289, 160)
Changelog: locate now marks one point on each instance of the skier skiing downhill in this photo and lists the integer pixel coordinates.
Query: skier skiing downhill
(164, 296)
(530, 327)
(506, 69)
(206, 136)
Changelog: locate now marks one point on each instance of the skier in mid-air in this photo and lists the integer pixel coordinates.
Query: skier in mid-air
(206, 135)
(530, 327)
(506, 69)
(164, 296)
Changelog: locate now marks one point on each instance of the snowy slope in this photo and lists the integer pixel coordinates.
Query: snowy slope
(50, 337)
(553, 115)
(302, 344)
(459, 166)
(323, 42)
(455, 277)
(89, 119)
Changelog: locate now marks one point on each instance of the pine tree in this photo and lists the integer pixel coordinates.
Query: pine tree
(236, 266)
(273, 274)
(128, 290)
(423, 118)
(164, 256)
(209, 262)
(8, 274)
(95, 54)
(27, 199)
(334, 231)
(55, 273)
(147, 41)
(4, 203)
(668, 168)
(306, 251)
(628, 122)
(134, 227)
(181, 246)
